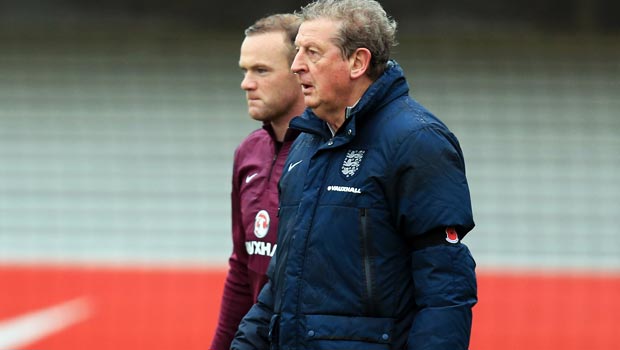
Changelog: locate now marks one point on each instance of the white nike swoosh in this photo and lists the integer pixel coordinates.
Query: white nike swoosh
(291, 166)
(250, 177)
(23, 330)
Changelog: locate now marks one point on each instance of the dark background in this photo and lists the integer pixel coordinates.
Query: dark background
(548, 15)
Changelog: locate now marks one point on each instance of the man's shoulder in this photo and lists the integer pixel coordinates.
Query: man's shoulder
(256, 144)
(406, 115)
(256, 137)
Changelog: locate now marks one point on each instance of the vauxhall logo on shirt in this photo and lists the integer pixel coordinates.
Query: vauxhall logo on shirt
(261, 228)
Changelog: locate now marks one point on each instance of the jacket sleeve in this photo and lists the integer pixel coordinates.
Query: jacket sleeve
(445, 290)
(237, 295)
(254, 329)
(432, 194)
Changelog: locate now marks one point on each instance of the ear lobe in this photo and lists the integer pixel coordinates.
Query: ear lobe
(359, 62)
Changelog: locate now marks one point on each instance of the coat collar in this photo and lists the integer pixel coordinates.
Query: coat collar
(389, 86)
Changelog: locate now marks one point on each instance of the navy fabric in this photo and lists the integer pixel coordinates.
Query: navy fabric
(346, 274)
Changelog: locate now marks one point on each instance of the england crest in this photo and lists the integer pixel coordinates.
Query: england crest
(352, 162)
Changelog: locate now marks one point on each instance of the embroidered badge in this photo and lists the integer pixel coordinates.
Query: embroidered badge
(261, 224)
(352, 162)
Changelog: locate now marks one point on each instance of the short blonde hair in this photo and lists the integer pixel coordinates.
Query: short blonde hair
(287, 23)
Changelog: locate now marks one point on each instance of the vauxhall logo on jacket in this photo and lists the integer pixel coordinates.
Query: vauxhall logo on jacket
(350, 166)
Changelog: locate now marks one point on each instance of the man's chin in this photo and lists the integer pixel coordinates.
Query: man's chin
(310, 102)
(259, 117)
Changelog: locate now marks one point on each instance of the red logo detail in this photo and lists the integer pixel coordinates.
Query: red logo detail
(261, 224)
(451, 235)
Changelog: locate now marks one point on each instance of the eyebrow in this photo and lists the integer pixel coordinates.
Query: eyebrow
(309, 43)
(256, 65)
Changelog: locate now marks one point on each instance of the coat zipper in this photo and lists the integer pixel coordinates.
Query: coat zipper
(367, 262)
(273, 164)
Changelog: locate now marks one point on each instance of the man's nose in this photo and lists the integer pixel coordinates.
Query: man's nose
(248, 83)
(298, 65)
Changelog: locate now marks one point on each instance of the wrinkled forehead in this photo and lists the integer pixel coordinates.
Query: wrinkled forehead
(320, 30)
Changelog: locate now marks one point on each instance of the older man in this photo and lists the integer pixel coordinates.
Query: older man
(374, 203)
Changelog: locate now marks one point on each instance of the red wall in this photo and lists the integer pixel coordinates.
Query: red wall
(177, 309)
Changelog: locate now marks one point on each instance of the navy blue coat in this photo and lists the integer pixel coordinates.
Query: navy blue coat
(369, 253)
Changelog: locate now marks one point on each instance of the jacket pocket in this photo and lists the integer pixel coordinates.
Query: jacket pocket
(328, 332)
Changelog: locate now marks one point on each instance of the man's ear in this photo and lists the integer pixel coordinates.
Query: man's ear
(359, 62)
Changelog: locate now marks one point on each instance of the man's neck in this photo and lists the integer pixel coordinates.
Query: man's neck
(336, 120)
(279, 129)
(280, 125)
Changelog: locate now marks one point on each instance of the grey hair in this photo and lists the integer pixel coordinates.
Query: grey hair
(287, 23)
(363, 24)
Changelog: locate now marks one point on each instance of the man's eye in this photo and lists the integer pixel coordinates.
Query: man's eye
(314, 55)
